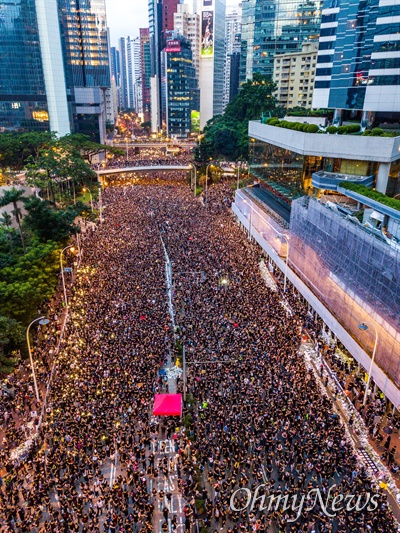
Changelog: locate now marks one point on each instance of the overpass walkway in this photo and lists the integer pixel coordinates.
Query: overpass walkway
(110, 171)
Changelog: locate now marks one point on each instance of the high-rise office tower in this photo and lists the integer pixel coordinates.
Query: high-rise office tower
(161, 22)
(84, 33)
(115, 64)
(145, 71)
(110, 94)
(358, 60)
(212, 59)
(187, 24)
(115, 71)
(130, 57)
(234, 66)
(233, 22)
(32, 77)
(124, 73)
(129, 48)
(54, 68)
(179, 86)
(272, 27)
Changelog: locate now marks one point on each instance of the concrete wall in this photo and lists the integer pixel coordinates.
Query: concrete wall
(381, 149)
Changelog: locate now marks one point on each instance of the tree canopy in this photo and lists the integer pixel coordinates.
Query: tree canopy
(225, 136)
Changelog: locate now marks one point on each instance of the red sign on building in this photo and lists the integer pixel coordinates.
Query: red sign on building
(173, 46)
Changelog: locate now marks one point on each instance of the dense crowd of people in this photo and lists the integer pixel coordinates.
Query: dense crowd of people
(256, 414)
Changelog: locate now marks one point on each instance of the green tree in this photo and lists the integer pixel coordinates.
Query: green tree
(255, 97)
(57, 169)
(13, 196)
(16, 148)
(48, 224)
(11, 335)
(6, 219)
(28, 281)
(225, 136)
(86, 147)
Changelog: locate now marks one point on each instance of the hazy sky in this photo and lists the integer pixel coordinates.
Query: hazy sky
(125, 17)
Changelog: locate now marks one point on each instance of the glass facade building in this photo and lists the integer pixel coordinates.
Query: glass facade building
(289, 174)
(359, 56)
(84, 35)
(271, 27)
(23, 101)
(180, 93)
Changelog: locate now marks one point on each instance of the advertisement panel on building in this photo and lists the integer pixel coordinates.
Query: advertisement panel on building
(173, 46)
(195, 121)
(207, 34)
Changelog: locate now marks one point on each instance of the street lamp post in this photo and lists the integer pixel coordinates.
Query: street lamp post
(285, 237)
(62, 274)
(42, 320)
(91, 197)
(195, 177)
(100, 198)
(207, 167)
(363, 326)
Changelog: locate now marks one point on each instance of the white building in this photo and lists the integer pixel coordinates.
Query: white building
(187, 24)
(294, 75)
(233, 24)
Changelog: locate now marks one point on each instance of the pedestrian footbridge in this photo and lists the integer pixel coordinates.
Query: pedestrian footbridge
(148, 168)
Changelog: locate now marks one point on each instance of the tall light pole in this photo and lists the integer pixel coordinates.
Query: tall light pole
(100, 199)
(62, 274)
(42, 320)
(363, 326)
(286, 238)
(207, 167)
(91, 197)
(195, 177)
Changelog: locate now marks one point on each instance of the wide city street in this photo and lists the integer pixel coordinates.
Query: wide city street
(166, 276)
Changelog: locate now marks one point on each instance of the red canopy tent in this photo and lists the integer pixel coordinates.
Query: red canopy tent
(167, 405)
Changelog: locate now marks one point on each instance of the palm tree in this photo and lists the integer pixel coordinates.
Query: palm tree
(13, 196)
(6, 219)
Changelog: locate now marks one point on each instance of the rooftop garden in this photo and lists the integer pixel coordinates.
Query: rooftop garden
(370, 193)
(350, 129)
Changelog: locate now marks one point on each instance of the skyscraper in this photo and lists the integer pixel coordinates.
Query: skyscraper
(187, 24)
(212, 59)
(161, 21)
(115, 65)
(32, 78)
(84, 34)
(145, 71)
(124, 73)
(233, 21)
(358, 60)
(272, 27)
(179, 86)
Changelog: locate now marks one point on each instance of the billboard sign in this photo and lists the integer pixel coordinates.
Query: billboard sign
(173, 46)
(207, 34)
(195, 121)
(207, 3)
